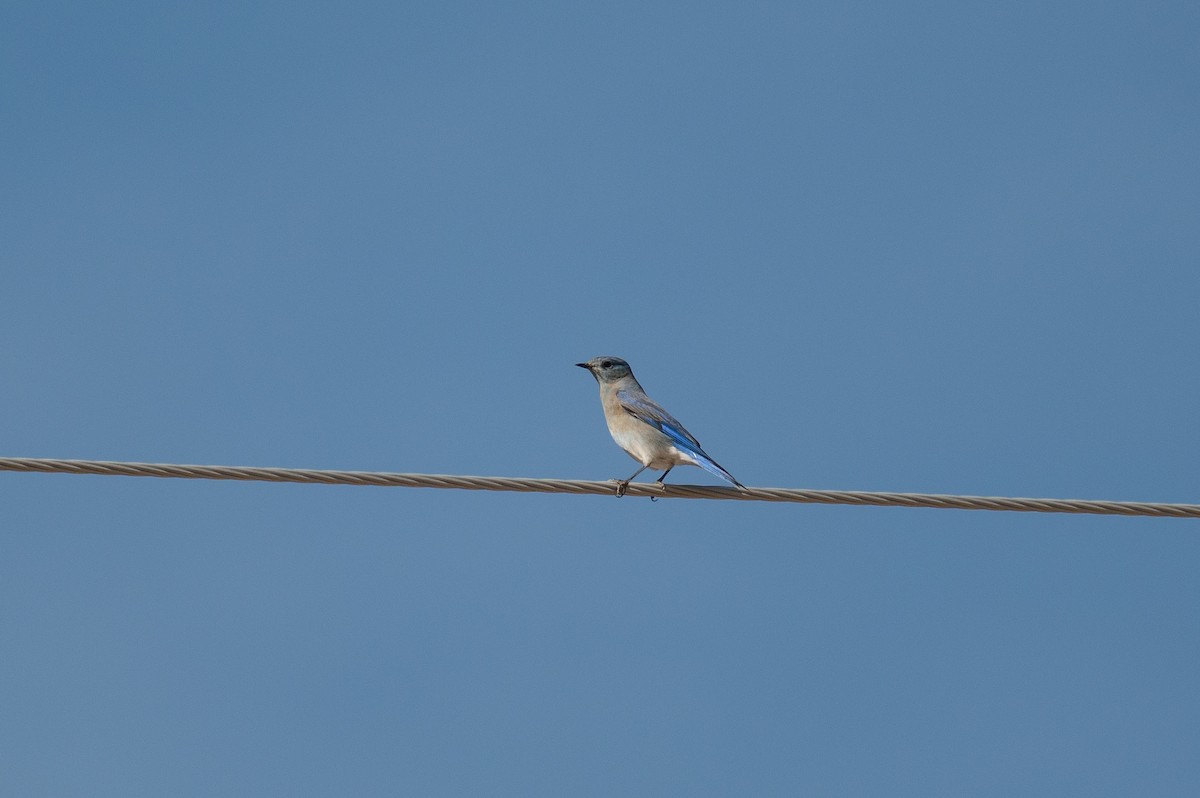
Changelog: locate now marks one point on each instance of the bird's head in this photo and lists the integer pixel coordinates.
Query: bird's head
(606, 368)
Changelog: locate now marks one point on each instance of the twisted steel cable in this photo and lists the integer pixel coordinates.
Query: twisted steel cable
(652, 489)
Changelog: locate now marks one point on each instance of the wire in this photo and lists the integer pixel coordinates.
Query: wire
(651, 489)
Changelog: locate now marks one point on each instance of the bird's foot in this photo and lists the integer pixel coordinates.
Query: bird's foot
(622, 486)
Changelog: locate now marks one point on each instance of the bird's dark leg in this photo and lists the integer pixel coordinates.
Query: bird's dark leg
(623, 484)
(664, 476)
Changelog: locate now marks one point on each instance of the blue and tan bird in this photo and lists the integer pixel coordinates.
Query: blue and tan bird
(640, 426)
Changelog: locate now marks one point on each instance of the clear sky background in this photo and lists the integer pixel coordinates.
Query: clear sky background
(934, 247)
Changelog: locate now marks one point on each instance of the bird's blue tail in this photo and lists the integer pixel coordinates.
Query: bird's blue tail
(711, 466)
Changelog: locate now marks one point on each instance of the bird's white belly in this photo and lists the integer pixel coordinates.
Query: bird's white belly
(648, 446)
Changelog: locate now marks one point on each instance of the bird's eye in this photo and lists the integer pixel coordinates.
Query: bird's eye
(606, 364)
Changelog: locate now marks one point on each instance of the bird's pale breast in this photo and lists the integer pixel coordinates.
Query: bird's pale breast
(645, 444)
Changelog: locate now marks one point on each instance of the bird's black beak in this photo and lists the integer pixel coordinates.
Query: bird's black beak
(584, 366)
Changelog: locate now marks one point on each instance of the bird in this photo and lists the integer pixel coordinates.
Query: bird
(640, 426)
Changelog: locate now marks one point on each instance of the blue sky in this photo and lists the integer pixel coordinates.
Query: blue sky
(936, 247)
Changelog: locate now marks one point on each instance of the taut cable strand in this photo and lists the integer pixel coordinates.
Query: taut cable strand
(651, 489)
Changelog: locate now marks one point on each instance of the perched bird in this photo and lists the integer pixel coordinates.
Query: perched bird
(640, 426)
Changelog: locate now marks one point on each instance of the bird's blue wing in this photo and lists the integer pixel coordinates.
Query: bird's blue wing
(645, 409)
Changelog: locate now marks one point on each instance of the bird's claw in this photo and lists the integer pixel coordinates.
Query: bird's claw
(622, 486)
